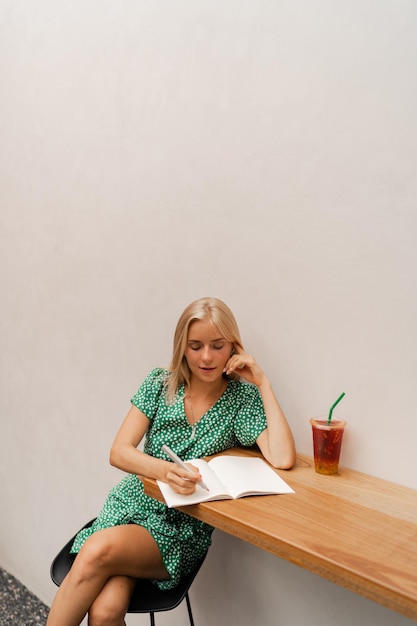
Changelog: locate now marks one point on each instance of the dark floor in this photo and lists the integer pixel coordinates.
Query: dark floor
(18, 606)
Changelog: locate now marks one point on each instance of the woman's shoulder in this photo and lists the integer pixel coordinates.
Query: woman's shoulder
(158, 375)
(153, 384)
(152, 387)
(157, 378)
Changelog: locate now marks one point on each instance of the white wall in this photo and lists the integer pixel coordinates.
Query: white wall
(153, 152)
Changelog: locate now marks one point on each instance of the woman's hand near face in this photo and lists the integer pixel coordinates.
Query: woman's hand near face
(246, 366)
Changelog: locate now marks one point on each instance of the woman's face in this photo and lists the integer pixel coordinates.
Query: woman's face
(207, 351)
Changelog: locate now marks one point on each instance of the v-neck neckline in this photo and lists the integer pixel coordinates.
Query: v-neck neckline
(194, 426)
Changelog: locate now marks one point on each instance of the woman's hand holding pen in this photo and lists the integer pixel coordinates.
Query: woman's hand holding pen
(180, 480)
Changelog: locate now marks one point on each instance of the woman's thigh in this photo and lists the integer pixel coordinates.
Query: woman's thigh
(128, 550)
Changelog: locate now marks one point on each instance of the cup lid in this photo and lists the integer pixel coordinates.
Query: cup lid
(323, 424)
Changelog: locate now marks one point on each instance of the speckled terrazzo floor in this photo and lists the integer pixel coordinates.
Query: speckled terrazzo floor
(18, 606)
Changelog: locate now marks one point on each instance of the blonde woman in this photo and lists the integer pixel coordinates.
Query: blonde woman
(214, 396)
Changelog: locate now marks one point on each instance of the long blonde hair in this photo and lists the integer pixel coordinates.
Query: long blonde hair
(204, 308)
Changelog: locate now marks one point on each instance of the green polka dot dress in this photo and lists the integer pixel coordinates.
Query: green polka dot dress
(237, 418)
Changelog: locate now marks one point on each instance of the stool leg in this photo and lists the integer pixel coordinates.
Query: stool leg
(152, 616)
(190, 613)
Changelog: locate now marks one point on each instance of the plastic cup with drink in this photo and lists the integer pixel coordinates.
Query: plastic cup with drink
(327, 442)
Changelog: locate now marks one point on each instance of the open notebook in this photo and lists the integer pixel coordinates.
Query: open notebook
(228, 478)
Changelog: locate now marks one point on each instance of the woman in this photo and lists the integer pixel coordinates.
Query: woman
(200, 406)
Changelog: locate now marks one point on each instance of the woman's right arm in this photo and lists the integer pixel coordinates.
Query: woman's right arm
(125, 456)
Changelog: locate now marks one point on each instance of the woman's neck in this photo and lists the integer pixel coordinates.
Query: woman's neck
(206, 391)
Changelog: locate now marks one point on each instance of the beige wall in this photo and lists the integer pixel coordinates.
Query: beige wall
(154, 152)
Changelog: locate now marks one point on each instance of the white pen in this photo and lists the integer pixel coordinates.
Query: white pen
(180, 463)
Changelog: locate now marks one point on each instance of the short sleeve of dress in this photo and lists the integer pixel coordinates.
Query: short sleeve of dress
(250, 420)
(147, 397)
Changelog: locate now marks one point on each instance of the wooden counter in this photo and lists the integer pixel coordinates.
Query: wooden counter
(353, 529)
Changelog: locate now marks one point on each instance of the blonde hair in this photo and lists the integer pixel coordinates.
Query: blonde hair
(204, 308)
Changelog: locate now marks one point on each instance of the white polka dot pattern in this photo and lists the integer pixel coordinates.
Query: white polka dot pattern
(238, 417)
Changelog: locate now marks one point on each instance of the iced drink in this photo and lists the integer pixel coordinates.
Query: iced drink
(327, 441)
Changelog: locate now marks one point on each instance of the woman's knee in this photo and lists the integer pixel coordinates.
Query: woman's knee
(94, 557)
(102, 613)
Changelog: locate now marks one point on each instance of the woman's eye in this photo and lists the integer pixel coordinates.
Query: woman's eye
(195, 348)
(218, 346)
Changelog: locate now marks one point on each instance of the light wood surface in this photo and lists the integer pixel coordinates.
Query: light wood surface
(353, 529)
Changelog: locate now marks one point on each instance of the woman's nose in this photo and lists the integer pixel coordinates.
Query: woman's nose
(206, 354)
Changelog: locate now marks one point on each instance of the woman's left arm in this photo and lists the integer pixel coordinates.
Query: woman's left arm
(276, 441)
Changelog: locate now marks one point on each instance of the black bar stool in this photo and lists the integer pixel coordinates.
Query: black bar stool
(146, 597)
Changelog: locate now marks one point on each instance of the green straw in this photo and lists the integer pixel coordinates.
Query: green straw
(332, 407)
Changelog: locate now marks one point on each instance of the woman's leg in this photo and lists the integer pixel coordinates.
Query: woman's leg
(110, 606)
(119, 551)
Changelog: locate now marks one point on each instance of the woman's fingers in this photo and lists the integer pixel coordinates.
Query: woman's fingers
(183, 482)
